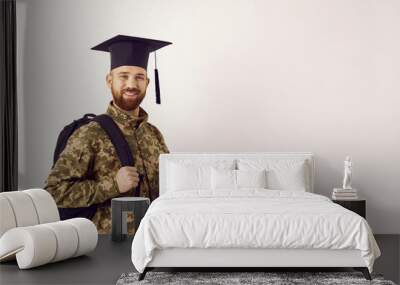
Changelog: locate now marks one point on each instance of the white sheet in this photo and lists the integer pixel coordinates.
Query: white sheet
(250, 218)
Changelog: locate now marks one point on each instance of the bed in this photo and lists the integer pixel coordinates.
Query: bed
(246, 210)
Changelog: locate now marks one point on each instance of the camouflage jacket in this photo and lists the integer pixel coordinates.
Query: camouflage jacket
(89, 150)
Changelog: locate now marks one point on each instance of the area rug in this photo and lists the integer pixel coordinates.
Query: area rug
(269, 278)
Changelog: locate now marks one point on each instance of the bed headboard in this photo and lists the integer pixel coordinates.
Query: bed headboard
(191, 156)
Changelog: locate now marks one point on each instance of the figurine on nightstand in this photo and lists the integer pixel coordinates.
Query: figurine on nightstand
(346, 192)
(347, 173)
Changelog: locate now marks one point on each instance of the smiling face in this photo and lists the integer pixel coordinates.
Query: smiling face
(128, 86)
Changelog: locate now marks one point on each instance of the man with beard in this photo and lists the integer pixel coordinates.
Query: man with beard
(89, 171)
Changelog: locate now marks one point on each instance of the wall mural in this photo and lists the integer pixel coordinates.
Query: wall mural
(98, 158)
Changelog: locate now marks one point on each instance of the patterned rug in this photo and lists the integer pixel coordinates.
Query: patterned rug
(269, 278)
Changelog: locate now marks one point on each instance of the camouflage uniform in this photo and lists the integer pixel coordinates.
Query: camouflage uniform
(89, 147)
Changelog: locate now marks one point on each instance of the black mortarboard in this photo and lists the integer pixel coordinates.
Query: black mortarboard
(126, 50)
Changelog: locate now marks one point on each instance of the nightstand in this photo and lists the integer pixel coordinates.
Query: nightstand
(358, 206)
(120, 208)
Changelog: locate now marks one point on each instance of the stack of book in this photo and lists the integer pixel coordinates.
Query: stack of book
(344, 194)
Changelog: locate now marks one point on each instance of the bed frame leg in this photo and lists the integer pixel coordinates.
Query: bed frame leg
(143, 274)
(364, 271)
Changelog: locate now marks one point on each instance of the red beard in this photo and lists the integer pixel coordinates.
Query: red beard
(128, 99)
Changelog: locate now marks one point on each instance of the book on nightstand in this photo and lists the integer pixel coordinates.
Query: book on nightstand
(344, 194)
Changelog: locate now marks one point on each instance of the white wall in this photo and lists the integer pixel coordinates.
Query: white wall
(254, 75)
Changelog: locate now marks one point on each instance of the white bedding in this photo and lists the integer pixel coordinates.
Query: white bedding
(250, 218)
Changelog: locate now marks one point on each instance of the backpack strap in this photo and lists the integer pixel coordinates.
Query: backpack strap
(117, 138)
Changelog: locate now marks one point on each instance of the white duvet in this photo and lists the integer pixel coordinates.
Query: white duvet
(250, 218)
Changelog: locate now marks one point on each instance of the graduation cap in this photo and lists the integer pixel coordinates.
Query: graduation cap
(126, 50)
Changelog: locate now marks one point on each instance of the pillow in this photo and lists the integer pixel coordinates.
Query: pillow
(251, 178)
(192, 174)
(282, 174)
(287, 179)
(223, 179)
(236, 179)
(184, 177)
